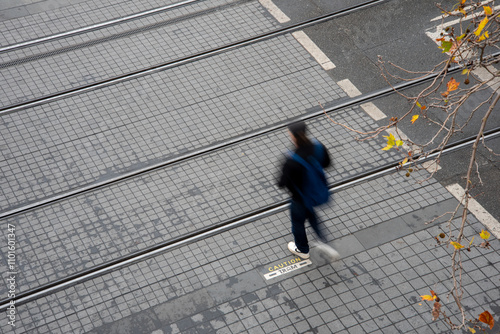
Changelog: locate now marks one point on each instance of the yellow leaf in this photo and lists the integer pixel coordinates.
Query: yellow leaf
(487, 319)
(484, 36)
(487, 10)
(472, 330)
(452, 85)
(481, 26)
(428, 298)
(387, 148)
(471, 241)
(414, 118)
(465, 71)
(404, 161)
(456, 245)
(485, 235)
(461, 10)
(390, 140)
(460, 37)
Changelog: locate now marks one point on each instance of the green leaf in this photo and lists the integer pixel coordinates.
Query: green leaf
(446, 46)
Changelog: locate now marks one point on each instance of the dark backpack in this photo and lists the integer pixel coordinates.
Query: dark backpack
(315, 189)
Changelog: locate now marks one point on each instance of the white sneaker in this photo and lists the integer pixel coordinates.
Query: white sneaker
(326, 251)
(293, 248)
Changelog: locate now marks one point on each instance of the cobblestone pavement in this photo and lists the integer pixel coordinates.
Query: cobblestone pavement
(165, 204)
(170, 124)
(218, 284)
(51, 67)
(97, 135)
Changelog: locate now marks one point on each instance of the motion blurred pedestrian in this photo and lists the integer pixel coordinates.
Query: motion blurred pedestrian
(302, 174)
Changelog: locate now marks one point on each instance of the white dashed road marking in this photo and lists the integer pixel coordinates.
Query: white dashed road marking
(484, 75)
(431, 166)
(314, 50)
(369, 107)
(373, 111)
(349, 88)
(300, 36)
(477, 210)
(274, 11)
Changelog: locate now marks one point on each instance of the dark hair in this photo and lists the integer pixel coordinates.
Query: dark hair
(298, 130)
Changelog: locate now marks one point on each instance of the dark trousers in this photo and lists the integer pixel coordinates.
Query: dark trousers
(299, 213)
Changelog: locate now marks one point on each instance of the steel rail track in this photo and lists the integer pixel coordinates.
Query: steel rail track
(184, 60)
(57, 285)
(205, 150)
(211, 148)
(79, 45)
(238, 221)
(94, 26)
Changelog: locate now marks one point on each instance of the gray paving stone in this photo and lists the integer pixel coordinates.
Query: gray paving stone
(232, 287)
(177, 281)
(182, 307)
(382, 233)
(141, 145)
(269, 327)
(97, 209)
(349, 322)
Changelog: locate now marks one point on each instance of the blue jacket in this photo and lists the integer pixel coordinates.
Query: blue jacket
(292, 174)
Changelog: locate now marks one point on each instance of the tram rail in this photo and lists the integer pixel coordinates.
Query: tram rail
(93, 27)
(235, 222)
(215, 147)
(208, 231)
(25, 297)
(184, 60)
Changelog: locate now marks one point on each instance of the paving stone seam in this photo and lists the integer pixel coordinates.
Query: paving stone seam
(200, 55)
(95, 26)
(198, 152)
(112, 37)
(172, 244)
(44, 22)
(273, 283)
